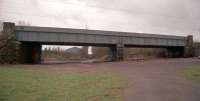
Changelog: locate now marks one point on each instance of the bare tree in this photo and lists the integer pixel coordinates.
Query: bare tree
(23, 23)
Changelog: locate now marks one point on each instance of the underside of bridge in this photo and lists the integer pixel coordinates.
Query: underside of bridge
(30, 52)
(30, 39)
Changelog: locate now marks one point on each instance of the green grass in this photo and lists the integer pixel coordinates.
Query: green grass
(44, 85)
(192, 73)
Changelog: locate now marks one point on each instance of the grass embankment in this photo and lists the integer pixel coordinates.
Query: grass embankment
(40, 85)
(192, 73)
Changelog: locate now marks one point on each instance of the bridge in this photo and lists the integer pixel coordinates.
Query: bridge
(30, 39)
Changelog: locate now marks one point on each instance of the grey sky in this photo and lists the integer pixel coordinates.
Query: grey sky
(175, 17)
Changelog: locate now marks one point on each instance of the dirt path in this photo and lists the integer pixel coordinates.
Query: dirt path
(154, 80)
(158, 80)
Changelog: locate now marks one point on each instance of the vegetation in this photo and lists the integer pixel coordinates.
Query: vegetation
(7, 47)
(59, 54)
(192, 73)
(18, 84)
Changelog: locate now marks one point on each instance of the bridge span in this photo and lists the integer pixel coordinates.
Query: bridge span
(30, 39)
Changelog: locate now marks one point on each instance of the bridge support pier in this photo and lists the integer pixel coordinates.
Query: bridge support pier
(30, 53)
(117, 52)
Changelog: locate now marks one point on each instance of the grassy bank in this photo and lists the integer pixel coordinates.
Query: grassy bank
(40, 85)
(192, 73)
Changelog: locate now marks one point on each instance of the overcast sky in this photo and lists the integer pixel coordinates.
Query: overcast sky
(173, 17)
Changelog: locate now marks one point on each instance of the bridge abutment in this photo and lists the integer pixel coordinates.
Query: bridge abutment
(189, 48)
